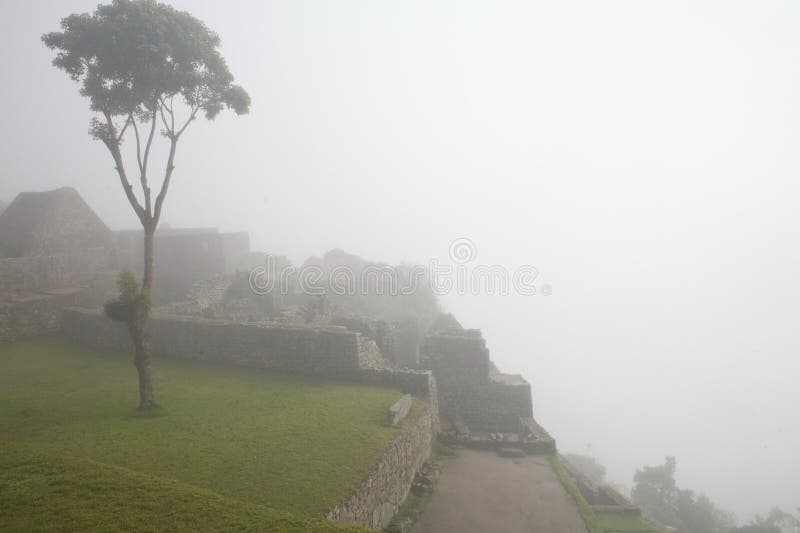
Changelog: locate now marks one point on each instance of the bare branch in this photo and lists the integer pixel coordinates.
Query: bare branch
(171, 112)
(188, 121)
(138, 146)
(164, 103)
(167, 177)
(122, 131)
(170, 132)
(145, 186)
(113, 147)
(168, 127)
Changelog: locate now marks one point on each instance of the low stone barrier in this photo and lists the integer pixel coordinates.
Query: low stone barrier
(377, 498)
(32, 274)
(36, 315)
(327, 351)
(420, 383)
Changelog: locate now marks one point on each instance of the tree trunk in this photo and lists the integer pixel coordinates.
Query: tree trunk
(140, 326)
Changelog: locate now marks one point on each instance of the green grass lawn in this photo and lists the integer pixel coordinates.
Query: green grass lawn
(63, 493)
(623, 523)
(257, 439)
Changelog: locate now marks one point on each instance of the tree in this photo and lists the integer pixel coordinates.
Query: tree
(143, 64)
(655, 485)
(588, 466)
(662, 502)
(700, 515)
(777, 521)
(757, 528)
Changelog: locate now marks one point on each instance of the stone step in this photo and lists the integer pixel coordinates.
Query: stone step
(511, 452)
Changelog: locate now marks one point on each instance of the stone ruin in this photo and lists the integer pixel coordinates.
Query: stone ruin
(478, 405)
(54, 253)
(57, 256)
(57, 253)
(185, 258)
(50, 223)
(601, 497)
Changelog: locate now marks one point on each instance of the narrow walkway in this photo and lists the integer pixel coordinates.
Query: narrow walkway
(480, 492)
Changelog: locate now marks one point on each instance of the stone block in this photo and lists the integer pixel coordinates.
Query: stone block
(399, 410)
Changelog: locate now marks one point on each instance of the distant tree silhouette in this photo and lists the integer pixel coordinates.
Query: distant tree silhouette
(777, 521)
(656, 492)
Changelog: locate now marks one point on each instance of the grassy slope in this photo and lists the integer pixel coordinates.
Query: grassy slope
(45, 493)
(598, 522)
(293, 444)
(620, 523)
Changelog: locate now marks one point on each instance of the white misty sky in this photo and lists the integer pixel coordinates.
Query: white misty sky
(642, 155)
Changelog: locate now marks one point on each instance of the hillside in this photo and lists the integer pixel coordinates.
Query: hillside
(226, 435)
(58, 492)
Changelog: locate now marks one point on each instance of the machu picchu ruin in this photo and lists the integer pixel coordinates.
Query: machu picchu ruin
(407, 267)
(206, 310)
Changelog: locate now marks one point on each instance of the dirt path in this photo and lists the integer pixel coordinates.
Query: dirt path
(480, 492)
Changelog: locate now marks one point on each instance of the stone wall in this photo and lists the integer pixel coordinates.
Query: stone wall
(469, 386)
(420, 383)
(203, 299)
(497, 406)
(417, 382)
(369, 355)
(461, 366)
(327, 351)
(33, 274)
(331, 351)
(376, 500)
(184, 258)
(50, 223)
(209, 293)
(35, 290)
(37, 315)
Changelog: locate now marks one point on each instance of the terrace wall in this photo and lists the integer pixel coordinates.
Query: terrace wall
(32, 274)
(332, 352)
(326, 351)
(470, 387)
(376, 500)
(35, 315)
(185, 258)
(35, 290)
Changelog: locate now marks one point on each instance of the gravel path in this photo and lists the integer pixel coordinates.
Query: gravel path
(480, 492)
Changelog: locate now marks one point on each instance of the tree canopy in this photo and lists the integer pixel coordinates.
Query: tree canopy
(663, 502)
(133, 58)
(130, 55)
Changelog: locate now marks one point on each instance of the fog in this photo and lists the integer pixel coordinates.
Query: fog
(642, 156)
